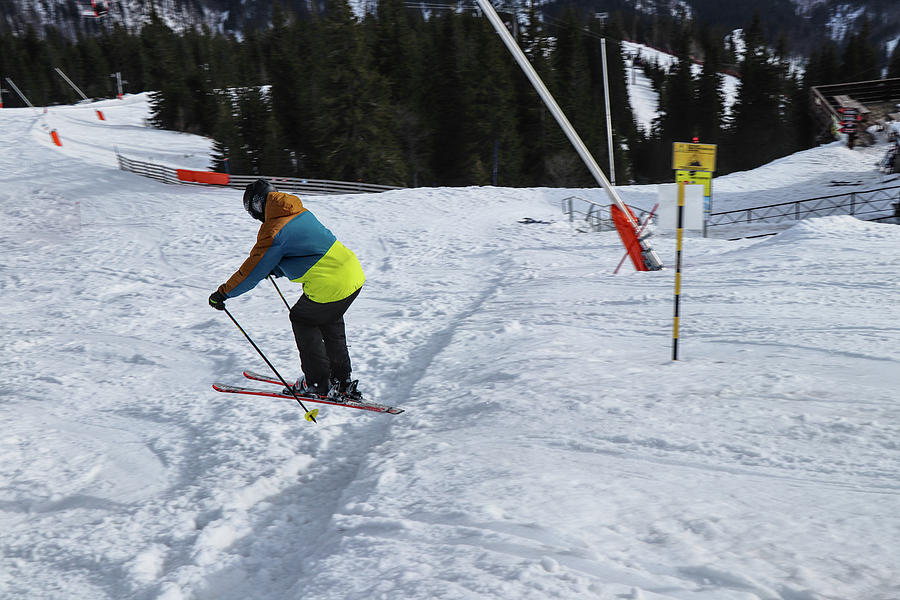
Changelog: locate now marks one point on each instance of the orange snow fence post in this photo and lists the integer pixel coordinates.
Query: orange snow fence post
(203, 177)
(629, 235)
(55, 137)
(100, 115)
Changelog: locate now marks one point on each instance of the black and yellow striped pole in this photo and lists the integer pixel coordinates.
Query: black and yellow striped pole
(678, 268)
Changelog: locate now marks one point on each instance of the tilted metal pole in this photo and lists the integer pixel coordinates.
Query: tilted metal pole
(70, 82)
(19, 92)
(652, 261)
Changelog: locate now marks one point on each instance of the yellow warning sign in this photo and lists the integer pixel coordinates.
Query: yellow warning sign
(694, 157)
(703, 178)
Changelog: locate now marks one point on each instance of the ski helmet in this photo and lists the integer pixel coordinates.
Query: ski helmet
(255, 198)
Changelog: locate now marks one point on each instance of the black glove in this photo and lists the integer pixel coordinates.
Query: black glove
(217, 300)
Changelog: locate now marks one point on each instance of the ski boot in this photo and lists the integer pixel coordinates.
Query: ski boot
(344, 391)
(301, 388)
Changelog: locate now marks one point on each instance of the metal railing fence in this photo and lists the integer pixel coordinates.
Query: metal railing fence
(868, 205)
(288, 184)
(882, 204)
(145, 169)
(594, 216)
(313, 186)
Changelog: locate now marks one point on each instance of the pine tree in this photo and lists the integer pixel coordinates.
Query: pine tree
(394, 49)
(677, 102)
(225, 56)
(859, 61)
(164, 75)
(535, 123)
(276, 158)
(253, 127)
(823, 67)
(710, 99)
(793, 107)
(444, 94)
(36, 80)
(124, 55)
(493, 149)
(158, 48)
(571, 87)
(226, 154)
(13, 62)
(804, 127)
(90, 67)
(397, 55)
(354, 124)
(292, 101)
(758, 125)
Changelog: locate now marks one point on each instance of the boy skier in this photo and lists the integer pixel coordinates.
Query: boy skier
(293, 243)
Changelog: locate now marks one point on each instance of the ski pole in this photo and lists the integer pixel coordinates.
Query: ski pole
(310, 414)
(283, 299)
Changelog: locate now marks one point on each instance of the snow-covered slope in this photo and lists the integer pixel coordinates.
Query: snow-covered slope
(643, 98)
(550, 448)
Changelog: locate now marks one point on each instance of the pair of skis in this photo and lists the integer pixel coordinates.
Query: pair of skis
(361, 405)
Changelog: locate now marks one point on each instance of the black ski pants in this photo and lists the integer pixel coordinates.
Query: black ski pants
(321, 340)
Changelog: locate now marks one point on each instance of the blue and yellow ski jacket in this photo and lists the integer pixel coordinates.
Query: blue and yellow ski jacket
(293, 243)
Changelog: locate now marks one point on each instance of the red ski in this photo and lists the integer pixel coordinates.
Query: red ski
(364, 405)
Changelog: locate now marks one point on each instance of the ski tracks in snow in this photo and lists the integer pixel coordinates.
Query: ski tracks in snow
(424, 284)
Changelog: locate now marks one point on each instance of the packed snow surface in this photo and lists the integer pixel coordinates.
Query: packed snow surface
(550, 448)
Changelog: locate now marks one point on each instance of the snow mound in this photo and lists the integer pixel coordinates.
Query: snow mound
(836, 227)
(813, 164)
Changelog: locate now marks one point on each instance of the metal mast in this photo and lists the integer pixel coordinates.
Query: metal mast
(651, 260)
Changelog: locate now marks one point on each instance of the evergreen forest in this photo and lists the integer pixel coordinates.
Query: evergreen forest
(403, 98)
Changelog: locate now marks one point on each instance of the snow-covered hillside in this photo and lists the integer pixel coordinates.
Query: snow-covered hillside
(643, 98)
(550, 448)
